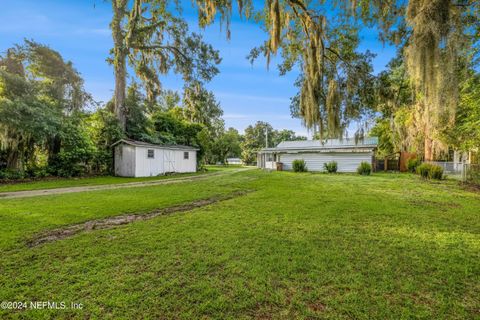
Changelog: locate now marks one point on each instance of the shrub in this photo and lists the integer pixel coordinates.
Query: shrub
(412, 165)
(10, 174)
(473, 174)
(330, 167)
(299, 165)
(364, 168)
(430, 171)
(436, 172)
(423, 170)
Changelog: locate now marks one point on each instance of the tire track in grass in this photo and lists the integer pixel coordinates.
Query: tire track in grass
(112, 222)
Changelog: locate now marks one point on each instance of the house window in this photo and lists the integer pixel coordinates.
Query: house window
(150, 153)
(186, 155)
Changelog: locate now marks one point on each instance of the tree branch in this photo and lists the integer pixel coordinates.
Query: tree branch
(161, 47)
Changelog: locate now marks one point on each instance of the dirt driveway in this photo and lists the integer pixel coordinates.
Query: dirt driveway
(47, 192)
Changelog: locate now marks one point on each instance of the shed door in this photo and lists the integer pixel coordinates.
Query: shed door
(347, 161)
(169, 160)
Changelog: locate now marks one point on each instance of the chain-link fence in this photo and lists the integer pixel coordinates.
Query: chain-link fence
(451, 169)
(465, 172)
(471, 174)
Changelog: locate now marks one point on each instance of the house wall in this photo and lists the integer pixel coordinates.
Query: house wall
(124, 160)
(346, 161)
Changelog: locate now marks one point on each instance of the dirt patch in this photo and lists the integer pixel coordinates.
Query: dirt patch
(475, 188)
(108, 223)
(316, 307)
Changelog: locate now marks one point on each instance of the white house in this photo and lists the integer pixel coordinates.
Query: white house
(142, 159)
(348, 153)
(234, 161)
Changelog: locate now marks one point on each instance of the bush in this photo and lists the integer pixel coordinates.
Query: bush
(364, 168)
(412, 165)
(9, 174)
(423, 170)
(473, 174)
(430, 171)
(299, 165)
(436, 172)
(330, 167)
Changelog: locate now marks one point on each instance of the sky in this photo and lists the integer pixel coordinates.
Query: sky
(79, 30)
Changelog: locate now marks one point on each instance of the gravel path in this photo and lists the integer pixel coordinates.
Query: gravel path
(47, 192)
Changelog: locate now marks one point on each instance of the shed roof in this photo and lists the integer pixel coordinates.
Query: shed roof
(311, 145)
(153, 145)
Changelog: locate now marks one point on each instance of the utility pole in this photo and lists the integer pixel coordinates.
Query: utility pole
(266, 137)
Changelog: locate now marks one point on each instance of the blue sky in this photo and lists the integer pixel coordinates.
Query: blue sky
(79, 31)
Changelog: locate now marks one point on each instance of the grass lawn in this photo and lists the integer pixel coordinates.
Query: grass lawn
(94, 181)
(386, 246)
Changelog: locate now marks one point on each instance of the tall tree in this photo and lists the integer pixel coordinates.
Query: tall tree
(201, 106)
(437, 36)
(148, 36)
(39, 92)
(255, 138)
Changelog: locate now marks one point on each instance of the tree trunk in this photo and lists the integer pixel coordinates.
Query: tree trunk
(428, 145)
(119, 61)
(13, 159)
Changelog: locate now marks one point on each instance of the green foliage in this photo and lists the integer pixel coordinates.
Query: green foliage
(255, 139)
(138, 123)
(423, 170)
(10, 174)
(412, 164)
(465, 135)
(430, 171)
(473, 174)
(104, 130)
(299, 165)
(436, 172)
(330, 167)
(364, 168)
(227, 145)
(76, 151)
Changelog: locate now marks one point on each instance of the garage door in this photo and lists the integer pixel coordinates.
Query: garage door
(346, 162)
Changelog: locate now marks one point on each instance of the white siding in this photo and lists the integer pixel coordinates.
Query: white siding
(124, 160)
(169, 161)
(133, 161)
(185, 165)
(346, 161)
(148, 167)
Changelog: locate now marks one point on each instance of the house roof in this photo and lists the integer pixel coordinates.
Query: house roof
(311, 145)
(152, 145)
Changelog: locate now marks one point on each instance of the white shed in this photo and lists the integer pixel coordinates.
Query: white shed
(348, 153)
(142, 159)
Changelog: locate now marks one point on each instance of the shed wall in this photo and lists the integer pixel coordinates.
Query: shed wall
(148, 167)
(124, 160)
(133, 161)
(185, 165)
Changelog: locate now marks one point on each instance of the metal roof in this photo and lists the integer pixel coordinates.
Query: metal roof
(370, 142)
(152, 145)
